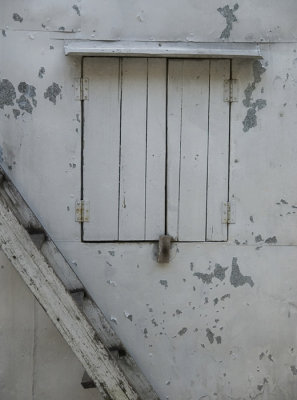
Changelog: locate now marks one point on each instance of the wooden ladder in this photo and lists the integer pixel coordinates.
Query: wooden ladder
(50, 278)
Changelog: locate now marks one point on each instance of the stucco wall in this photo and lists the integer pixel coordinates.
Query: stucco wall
(219, 321)
(36, 363)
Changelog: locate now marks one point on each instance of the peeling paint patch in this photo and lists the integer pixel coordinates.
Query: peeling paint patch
(250, 120)
(210, 335)
(182, 331)
(28, 94)
(16, 113)
(128, 316)
(294, 370)
(75, 7)
(228, 14)
(17, 17)
(164, 283)
(226, 296)
(219, 272)
(24, 104)
(236, 278)
(3, 33)
(41, 72)
(218, 339)
(258, 239)
(111, 283)
(52, 92)
(7, 93)
(206, 278)
(271, 240)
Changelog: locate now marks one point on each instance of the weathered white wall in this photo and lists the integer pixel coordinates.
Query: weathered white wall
(229, 333)
(36, 363)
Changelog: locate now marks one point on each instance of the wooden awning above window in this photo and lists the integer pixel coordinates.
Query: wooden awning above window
(161, 49)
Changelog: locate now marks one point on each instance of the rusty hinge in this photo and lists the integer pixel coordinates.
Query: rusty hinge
(228, 212)
(81, 88)
(231, 90)
(82, 211)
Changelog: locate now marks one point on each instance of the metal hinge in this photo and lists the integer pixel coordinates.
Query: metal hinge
(82, 211)
(81, 88)
(230, 90)
(228, 212)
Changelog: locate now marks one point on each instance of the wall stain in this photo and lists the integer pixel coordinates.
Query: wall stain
(250, 120)
(164, 283)
(228, 14)
(182, 331)
(3, 33)
(7, 93)
(52, 92)
(210, 335)
(17, 17)
(226, 296)
(75, 7)
(236, 278)
(294, 370)
(41, 72)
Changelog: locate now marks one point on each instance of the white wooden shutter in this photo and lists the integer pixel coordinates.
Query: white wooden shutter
(127, 150)
(124, 148)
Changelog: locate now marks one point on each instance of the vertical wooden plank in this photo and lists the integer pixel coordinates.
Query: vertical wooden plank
(218, 153)
(101, 147)
(156, 149)
(174, 121)
(194, 137)
(133, 149)
(188, 88)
